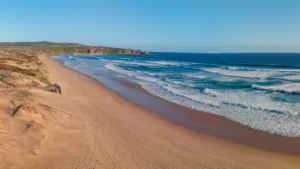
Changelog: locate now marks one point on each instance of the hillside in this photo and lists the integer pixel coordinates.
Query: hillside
(56, 48)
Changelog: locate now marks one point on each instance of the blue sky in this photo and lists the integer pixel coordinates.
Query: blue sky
(157, 25)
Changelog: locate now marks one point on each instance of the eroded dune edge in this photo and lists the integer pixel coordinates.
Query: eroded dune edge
(91, 126)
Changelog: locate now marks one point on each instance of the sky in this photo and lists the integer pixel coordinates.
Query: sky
(198, 26)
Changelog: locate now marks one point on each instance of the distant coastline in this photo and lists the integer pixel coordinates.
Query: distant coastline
(52, 48)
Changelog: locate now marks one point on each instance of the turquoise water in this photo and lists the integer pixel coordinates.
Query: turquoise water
(261, 91)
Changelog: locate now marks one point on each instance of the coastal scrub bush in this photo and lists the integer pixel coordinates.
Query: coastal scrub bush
(12, 59)
(41, 73)
(26, 57)
(20, 63)
(6, 76)
(16, 69)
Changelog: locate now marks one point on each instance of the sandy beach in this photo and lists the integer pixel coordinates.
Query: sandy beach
(92, 126)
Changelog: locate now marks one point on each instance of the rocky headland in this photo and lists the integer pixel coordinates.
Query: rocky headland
(107, 50)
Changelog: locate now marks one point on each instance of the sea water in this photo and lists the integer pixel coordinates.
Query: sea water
(261, 91)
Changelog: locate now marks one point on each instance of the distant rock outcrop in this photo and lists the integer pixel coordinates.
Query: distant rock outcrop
(92, 50)
(106, 50)
(127, 51)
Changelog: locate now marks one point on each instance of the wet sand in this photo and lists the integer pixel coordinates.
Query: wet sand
(118, 133)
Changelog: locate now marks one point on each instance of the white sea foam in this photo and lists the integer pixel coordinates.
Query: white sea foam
(80, 64)
(191, 97)
(120, 70)
(113, 61)
(140, 63)
(197, 76)
(167, 63)
(105, 60)
(259, 101)
(247, 74)
(287, 88)
(184, 98)
(293, 78)
(211, 92)
(262, 70)
(177, 82)
(153, 74)
(151, 79)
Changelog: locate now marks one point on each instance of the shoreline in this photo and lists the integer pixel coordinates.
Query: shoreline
(147, 132)
(201, 122)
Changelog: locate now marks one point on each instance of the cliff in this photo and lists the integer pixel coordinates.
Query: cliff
(107, 50)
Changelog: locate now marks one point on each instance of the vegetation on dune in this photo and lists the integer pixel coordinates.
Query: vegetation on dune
(6, 76)
(42, 74)
(18, 70)
(11, 59)
(19, 56)
(59, 49)
(13, 54)
(26, 57)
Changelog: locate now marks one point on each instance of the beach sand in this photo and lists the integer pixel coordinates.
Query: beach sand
(92, 126)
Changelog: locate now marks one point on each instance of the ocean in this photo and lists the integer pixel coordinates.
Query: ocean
(261, 91)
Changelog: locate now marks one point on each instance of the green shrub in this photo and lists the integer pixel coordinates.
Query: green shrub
(20, 63)
(6, 76)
